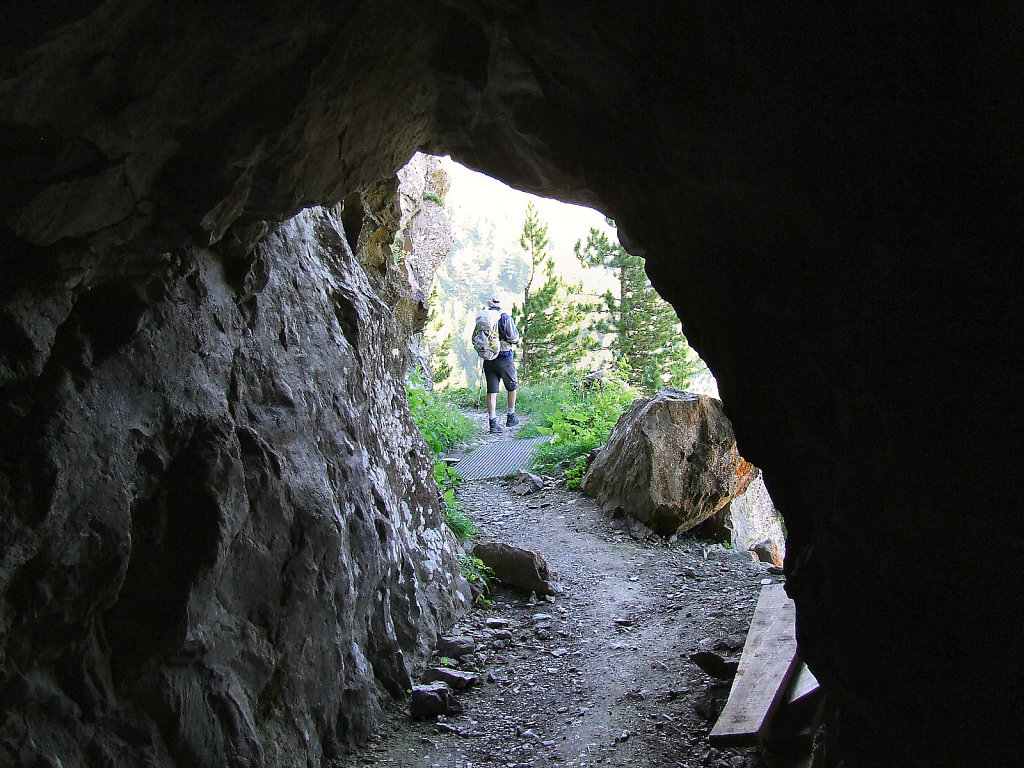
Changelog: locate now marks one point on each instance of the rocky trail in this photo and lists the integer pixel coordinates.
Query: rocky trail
(599, 674)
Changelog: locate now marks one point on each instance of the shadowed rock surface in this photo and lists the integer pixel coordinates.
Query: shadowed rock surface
(670, 462)
(222, 542)
(830, 195)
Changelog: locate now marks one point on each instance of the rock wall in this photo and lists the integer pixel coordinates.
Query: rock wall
(750, 523)
(222, 544)
(425, 234)
(828, 193)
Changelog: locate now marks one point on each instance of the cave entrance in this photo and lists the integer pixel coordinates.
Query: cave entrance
(596, 337)
(505, 241)
(586, 634)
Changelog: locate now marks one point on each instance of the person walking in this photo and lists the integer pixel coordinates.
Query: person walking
(502, 369)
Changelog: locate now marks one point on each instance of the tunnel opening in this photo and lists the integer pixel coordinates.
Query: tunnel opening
(848, 182)
(468, 276)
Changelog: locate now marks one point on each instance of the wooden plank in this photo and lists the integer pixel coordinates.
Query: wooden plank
(803, 685)
(766, 667)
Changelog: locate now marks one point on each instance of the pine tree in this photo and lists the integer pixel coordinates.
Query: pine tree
(648, 340)
(441, 366)
(548, 320)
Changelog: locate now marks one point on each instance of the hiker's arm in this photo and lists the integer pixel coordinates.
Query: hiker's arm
(507, 330)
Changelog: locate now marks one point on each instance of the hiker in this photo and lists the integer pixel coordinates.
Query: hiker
(495, 337)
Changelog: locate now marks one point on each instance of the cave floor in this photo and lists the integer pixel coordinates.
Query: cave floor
(606, 680)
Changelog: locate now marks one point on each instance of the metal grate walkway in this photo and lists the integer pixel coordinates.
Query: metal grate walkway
(501, 458)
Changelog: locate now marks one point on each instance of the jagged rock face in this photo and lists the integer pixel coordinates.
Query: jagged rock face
(425, 227)
(222, 538)
(671, 462)
(750, 523)
(425, 232)
(829, 195)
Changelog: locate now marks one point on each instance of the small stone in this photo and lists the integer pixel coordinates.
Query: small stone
(456, 678)
(539, 618)
(527, 483)
(455, 646)
(766, 582)
(433, 699)
(497, 623)
(715, 665)
(734, 642)
(689, 573)
(559, 652)
(624, 622)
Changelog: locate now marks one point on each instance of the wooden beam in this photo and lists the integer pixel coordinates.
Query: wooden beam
(766, 667)
(804, 684)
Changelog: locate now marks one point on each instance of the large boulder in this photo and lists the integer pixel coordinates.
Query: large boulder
(671, 462)
(751, 523)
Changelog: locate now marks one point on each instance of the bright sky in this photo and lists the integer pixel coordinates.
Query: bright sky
(477, 194)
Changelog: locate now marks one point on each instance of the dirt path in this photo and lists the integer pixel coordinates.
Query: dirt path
(598, 675)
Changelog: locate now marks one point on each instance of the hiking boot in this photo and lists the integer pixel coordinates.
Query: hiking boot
(495, 426)
(512, 420)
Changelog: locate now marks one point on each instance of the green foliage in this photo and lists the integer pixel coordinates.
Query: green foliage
(456, 519)
(443, 427)
(440, 365)
(465, 397)
(579, 426)
(647, 338)
(434, 198)
(451, 510)
(541, 402)
(550, 323)
(478, 575)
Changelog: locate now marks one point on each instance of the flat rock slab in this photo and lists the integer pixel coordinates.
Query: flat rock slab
(456, 678)
(456, 646)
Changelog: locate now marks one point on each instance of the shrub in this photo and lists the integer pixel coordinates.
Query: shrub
(442, 425)
(478, 575)
(464, 397)
(580, 426)
(451, 510)
(541, 402)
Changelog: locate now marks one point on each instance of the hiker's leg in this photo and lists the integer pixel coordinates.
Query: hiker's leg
(493, 384)
(508, 378)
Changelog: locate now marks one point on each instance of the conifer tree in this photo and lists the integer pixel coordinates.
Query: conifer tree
(548, 320)
(648, 341)
(441, 366)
